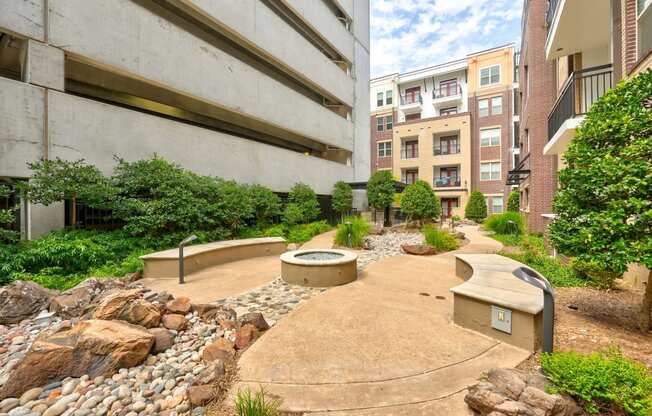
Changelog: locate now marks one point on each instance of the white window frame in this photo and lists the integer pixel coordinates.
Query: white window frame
(480, 112)
(640, 14)
(493, 107)
(381, 99)
(380, 123)
(500, 75)
(389, 122)
(493, 204)
(385, 149)
(490, 143)
(491, 163)
(389, 95)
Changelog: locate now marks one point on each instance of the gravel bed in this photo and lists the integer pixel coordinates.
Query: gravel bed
(386, 245)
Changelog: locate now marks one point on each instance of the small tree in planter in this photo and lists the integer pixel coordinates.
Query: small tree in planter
(58, 180)
(603, 208)
(303, 206)
(476, 207)
(380, 191)
(419, 202)
(342, 198)
(513, 202)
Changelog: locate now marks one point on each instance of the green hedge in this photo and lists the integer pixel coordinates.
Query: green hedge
(602, 381)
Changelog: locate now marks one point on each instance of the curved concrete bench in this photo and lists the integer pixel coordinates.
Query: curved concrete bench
(165, 264)
(496, 303)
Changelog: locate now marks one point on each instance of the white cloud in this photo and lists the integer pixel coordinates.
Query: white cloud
(411, 34)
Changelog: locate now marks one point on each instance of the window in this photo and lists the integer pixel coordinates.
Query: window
(490, 137)
(414, 116)
(483, 107)
(389, 122)
(410, 176)
(447, 145)
(388, 97)
(384, 149)
(379, 99)
(380, 124)
(489, 171)
(490, 75)
(496, 105)
(447, 88)
(410, 149)
(448, 177)
(448, 111)
(644, 13)
(497, 204)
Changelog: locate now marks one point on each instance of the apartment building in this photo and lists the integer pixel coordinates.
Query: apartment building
(451, 126)
(268, 92)
(572, 52)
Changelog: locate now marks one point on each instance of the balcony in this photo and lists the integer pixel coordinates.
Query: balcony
(576, 26)
(581, 90)
(447, 95)
(447, 182)
(411, 102)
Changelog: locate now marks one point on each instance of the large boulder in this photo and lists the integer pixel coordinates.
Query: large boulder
(128, 305)
(76, 301)
(22, 300)
(93, 347)
(419, 249)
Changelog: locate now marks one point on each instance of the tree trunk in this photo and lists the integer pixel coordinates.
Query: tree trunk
(73, 211)
(646, 307)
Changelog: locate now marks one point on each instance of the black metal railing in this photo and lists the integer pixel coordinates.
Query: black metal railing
(411, 98)
(447, 182)
(439, 151)
(447, 91)
(550, 13)
(580, 91)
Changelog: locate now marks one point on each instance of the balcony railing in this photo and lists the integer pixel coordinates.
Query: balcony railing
(447, 182)
(550, 13)
(581, 90)
(438, 151)
(447, 91)
(412, 98)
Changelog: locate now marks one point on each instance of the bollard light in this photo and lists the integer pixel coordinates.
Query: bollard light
(349, 232)
(181, 245)
(537, 280)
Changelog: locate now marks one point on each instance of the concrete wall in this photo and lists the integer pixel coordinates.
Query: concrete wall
(361, 153)
(23, 17)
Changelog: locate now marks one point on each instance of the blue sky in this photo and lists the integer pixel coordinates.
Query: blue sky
(412, 34)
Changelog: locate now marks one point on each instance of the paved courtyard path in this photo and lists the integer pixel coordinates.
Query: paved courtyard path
(383, 345)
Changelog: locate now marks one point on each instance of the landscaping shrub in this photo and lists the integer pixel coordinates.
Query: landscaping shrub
(266, 204)
(380, 189)
(593, 271)
(419, 202)
(7, 216)
(476, 207)
(304, 232)
(438, 238)
(342, 200)
(506, 223)
(359, 230)
(602, 381)
(513, 202)
(603, 207)
(258, 404)
(302, 206)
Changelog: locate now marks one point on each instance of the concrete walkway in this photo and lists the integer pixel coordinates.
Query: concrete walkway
(383, 345)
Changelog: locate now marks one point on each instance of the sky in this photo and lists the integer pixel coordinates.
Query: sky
(413, 34)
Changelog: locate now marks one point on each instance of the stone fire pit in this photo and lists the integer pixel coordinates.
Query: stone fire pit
(319, 268)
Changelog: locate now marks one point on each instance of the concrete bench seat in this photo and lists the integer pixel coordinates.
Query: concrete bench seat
(491, 292)
(165, 264)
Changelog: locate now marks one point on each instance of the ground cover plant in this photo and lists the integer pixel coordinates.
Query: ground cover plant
(255, 404)
(438, 238)
(507, 223)
(603, 209)
(602, 382)
(358, 227)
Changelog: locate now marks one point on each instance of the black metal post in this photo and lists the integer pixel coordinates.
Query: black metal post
(535, 279)
(181, 245)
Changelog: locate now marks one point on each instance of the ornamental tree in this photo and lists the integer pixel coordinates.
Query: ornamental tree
(267, 204)
(603, 209)
(513, 202)
(380, 189)
(419, 202)
(476, 207)
(302, 206)
(342, 201)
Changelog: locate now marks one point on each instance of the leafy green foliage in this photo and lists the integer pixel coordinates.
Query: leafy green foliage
(359, 229)
(342, 201)
(235, 204)
(603, 208)
(438, 238)
(302, 206)
(594, 272)
(7, 216)
(476, 207)
(380, 189)
(419, 202)
(513, 202)
(257, 404)
(304, 232)
(267, 205)
(601, 381)
(506, 223)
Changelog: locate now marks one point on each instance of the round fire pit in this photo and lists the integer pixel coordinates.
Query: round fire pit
(319, 268)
